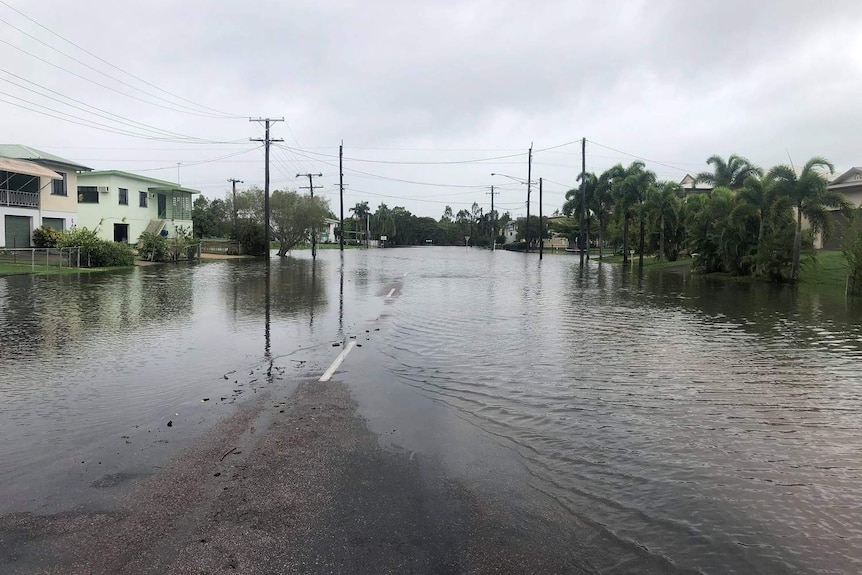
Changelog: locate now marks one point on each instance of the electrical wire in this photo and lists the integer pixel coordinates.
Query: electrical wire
(221, 113)
(106, 114)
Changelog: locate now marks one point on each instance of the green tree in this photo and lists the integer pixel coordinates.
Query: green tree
(809, 194)
(664, 206)
(630, 193)
(361, 213)
(293, 217)
(603, 201)
(729, 174)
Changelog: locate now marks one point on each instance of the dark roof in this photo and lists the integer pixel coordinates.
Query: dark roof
(21, 152)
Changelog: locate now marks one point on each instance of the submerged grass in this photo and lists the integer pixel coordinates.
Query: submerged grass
(8, 269)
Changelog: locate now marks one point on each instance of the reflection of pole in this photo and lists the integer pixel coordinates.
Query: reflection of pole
(541, 223)
(529, 175)
(341, 299)
(267, 349)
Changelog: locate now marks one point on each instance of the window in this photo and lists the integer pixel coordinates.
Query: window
(182, 206)
(88, 195)
(58, 187)
(142, 199)
(124, 197)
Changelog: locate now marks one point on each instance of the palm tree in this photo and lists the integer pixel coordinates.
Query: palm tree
(362, 211)
(602, 203)
(663, 203)
(630, 191)
(759, 193)
(729, 174)
(573, 205)
(811, 197)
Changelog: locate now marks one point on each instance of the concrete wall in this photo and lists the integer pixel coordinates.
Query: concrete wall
(55, 203)
(102, 216)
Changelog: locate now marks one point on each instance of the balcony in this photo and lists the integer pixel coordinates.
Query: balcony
(19, 199)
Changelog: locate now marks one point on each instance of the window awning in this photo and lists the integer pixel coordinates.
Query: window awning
(27, 168)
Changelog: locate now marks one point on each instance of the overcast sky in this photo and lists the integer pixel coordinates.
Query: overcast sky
(431, 82)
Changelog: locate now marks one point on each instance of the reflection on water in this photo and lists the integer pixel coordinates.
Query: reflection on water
(713, 425)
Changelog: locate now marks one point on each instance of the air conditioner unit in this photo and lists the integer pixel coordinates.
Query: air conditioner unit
(103, 189)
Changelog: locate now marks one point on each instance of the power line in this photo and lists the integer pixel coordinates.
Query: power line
(224, 114)
(86, 121)
(639, 157)
(414, 163)
(106, 115)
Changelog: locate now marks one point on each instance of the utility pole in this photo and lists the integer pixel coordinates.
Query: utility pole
(493, 220)
(234, 182)
(341, 194)
(541, 223)
(266, 142)
(583, 210)
(529, 183)
(311, 187)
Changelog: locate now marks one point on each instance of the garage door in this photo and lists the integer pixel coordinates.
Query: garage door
(17, 232)
(55, 223)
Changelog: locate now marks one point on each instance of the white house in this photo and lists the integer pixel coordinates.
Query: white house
(35, 191)
(120, 206)
(327, 235)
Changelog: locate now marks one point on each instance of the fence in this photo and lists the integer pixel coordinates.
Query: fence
(44, 257)
(222, 247)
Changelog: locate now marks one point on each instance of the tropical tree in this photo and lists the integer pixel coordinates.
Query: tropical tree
(603, 200)
(663, 205)
(730, 174)
(579, 202)
(809, 194)
(630, 191)
(361, 212)
(759, 193)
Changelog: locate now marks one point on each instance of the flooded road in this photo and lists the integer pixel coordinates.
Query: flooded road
(671, 421)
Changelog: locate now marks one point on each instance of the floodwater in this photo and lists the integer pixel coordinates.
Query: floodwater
(694, 424)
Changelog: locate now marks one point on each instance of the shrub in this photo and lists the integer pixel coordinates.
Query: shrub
(153, 247)
(46, 237)
(79, 237)
(96, 252)
(251, 235)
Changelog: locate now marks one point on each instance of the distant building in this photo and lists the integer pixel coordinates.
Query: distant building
(34, 192)
(850, 184)
(690, 186)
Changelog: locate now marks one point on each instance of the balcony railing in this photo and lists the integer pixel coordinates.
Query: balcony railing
(19, 199)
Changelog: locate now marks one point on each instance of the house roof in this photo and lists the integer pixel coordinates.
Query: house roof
(28, 168)
(21, 152)
(689, 183)
(151, 183)
(852, 177)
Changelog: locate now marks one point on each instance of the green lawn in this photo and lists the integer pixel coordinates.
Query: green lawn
(649, 262)
(828, 269)
(7, 269)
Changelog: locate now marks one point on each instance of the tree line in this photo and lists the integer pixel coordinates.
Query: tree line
(750, 221)
(400, 227)
(293, 218)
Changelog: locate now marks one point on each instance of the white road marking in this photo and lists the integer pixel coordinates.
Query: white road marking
(335, 364)
(392, 291)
